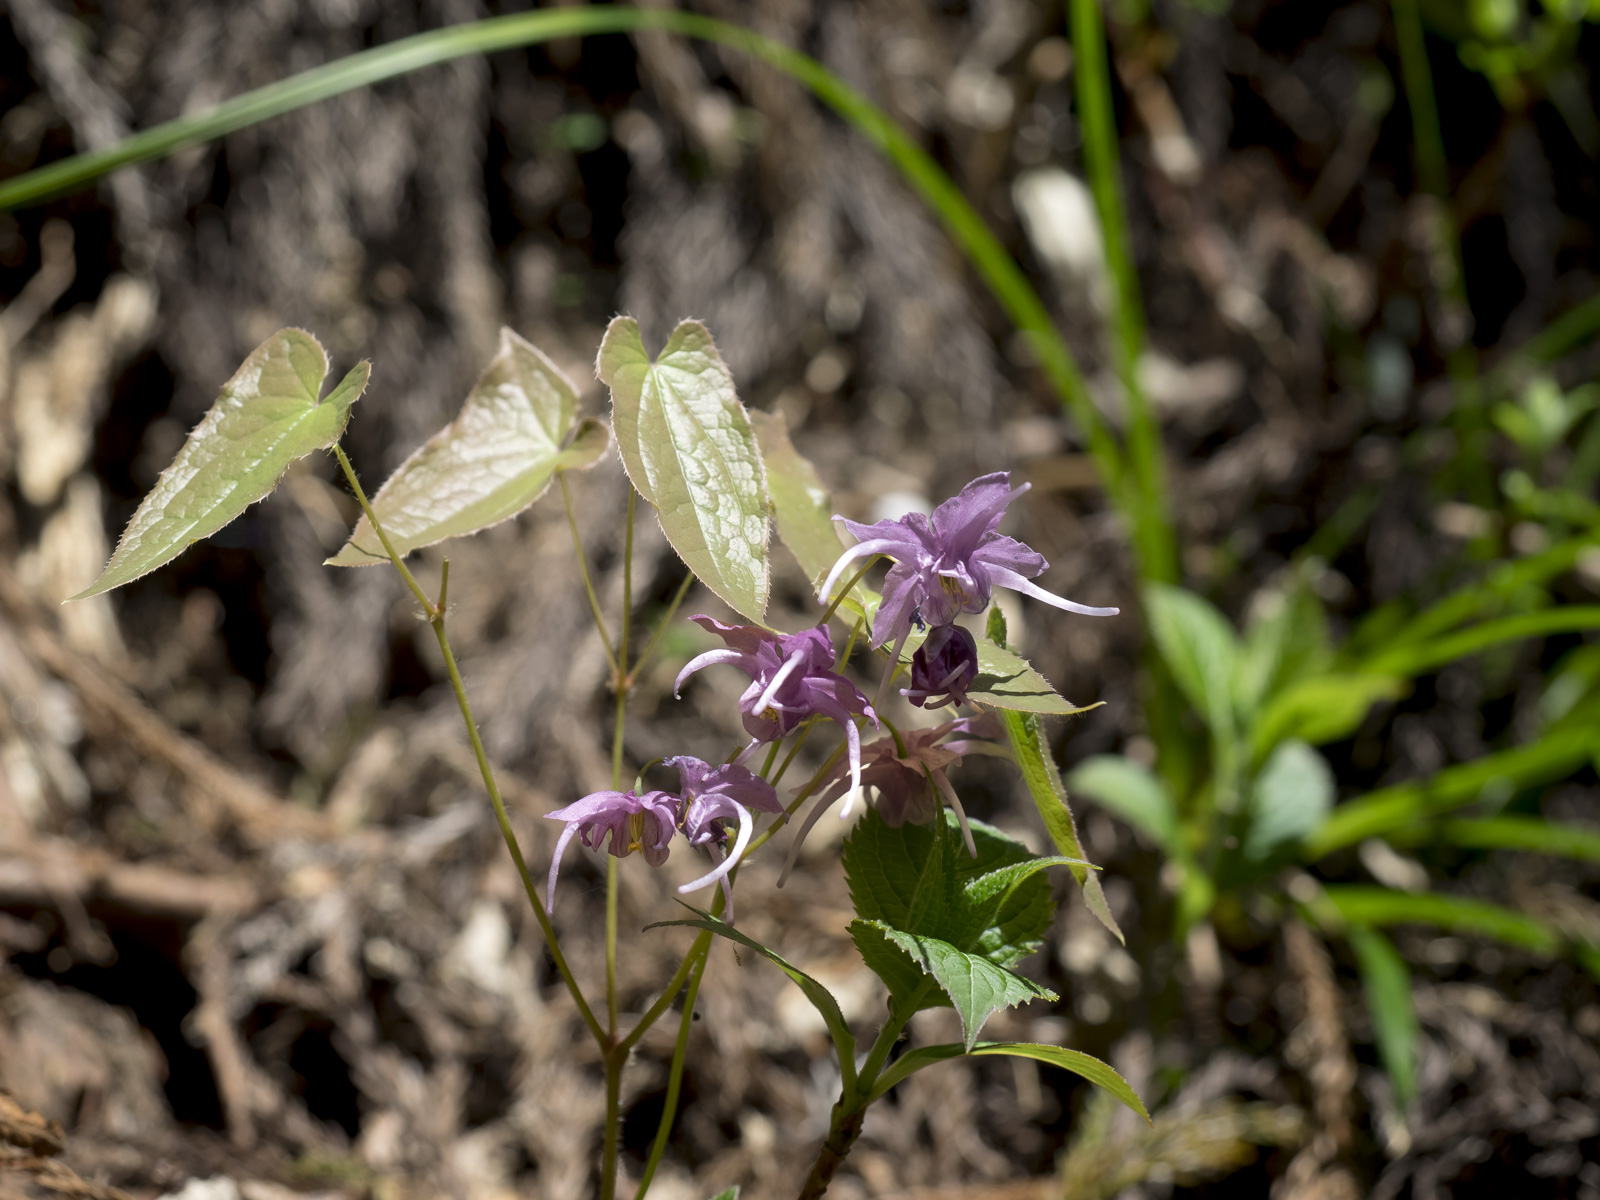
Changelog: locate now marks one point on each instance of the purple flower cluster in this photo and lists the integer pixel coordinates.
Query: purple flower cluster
(707, 797)
(945, 565)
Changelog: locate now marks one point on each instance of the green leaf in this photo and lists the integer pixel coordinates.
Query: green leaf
(821, 998)
(1050, 798)
(1417, 659)
(1199, 646)
(266, 416)
(1531, 834)
(728, 1193)
(976, 987)
(925, 908)
(1359, 904)
(497, 457)
(1079, 1063)
(1285, 642)
(1293, 794)
(1376, 814)
(1135, 794)
(688, 448)
(1394, 1020)
(801, 507)
(1323, 708)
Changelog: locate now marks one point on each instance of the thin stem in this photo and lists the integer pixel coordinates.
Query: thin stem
(372, 519)
(805, 732)
(761, 839)
(668, 993)
(661, 627)
(608, 1152)
(614, 1059)
(436, 619)
(675, 1074)
(854, 579)
(583, 571)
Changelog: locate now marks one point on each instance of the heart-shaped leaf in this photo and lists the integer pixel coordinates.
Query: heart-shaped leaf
(266, 416)
(801, 507)
(688, 447)
(497, 457)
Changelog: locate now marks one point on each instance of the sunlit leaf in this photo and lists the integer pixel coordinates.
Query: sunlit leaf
(1394, 1020)
(1293, 794)
(1322, 708)
(1039, 772)
(1359, 904)
(1199, 647)
(975, 987)
(266, 416)
(688, 447)
(801, 508)
(1134, 793)
(497, 457)
(1079, 1063)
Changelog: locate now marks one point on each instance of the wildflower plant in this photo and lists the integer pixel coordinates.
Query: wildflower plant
(946, 907)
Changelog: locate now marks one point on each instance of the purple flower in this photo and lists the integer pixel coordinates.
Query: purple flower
(906, 775)
(712, 795)
(791, 678)
(948, 564)
(644, 823)
(943, 668)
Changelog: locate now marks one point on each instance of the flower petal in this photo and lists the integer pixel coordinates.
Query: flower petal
(1010, 579)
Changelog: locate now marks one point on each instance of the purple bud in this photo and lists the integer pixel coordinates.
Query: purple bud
(943, 668)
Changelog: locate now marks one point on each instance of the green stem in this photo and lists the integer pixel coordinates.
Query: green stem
(675, 1073)
(845, 591)
(436, 619)
(615, 1060)
(661, 627)
(583, 572)
(1153, 531)
(988, 256)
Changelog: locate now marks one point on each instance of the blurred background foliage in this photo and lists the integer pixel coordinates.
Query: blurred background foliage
(1328, 274)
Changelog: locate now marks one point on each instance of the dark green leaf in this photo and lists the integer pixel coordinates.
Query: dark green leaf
(688, 447)
(1076, 1061)
(1420, 658)
(821, 998)
(1523, 833)
(801, 507)
(1394, 1021)
(495, 459)
(266, 416)
(975, 986)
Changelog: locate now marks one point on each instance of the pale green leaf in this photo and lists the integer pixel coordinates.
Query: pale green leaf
(497, 457)
(1005, 679)
(266, 416)
(1394, 1021)
(1134, 793)
(1079, 1063)
(731, 1193)
(688, 447)
(1199, 647)
(1293, 794)
(1360, 904)
(976, 987)
(801, 508)
(1322, 708)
